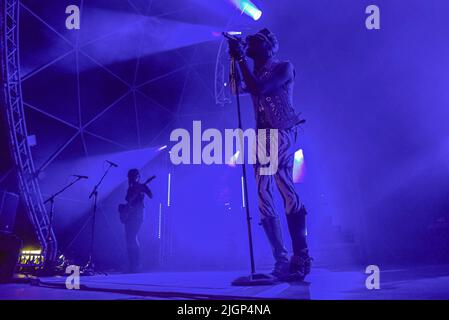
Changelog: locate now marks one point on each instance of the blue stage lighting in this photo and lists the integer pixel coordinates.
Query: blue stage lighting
(249, 8)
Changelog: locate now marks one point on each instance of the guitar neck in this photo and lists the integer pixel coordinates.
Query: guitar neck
(150, 179)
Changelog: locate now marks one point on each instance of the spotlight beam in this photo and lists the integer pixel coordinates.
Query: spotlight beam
(158, 35)
(248, 8)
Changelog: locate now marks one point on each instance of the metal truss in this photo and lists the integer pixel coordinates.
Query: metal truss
(18, 136)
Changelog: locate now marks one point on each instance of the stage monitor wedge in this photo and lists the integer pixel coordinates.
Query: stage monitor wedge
(8, 209)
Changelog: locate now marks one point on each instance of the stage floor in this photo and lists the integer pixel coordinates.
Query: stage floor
(430, 282)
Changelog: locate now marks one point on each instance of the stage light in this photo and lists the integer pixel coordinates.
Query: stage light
(233, 160)
(32, 251)
(298, 166)
(243, 193)
(30, 260)
(162, 148)
(169, 190)
(159, 231)
(249, 8)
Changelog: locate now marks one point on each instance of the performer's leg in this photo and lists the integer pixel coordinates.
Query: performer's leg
(271, 224)
(132, 228)
(295, 210)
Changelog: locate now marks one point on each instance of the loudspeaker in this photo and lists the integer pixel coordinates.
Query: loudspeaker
(10, 247)
(8, 209)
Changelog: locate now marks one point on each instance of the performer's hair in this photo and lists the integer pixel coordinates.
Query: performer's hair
(132, 174)
(270, 39)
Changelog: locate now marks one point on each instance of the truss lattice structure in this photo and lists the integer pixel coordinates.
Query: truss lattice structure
(12, 92)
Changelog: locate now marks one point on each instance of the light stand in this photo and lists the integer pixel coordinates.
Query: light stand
(89, 269)
(254, 279)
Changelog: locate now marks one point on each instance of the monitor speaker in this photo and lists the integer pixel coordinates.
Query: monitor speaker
(8, 209)
(10, 247)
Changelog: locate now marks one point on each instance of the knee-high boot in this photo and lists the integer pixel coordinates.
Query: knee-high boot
(301, 261)
(272, 228)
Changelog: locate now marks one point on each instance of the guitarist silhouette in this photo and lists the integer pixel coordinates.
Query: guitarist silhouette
(132, 214)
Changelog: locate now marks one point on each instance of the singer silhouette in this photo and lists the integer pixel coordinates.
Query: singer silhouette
(270, 84)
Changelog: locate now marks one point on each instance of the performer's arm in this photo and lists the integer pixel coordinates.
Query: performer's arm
(147, 191)
(281, 74)
(127, 196)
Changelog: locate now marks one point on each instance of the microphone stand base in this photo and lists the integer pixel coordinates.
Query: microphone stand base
(50, 269)
(255, 279)
(90, 270)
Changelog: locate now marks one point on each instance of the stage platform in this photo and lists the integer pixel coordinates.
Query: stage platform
(402, 283)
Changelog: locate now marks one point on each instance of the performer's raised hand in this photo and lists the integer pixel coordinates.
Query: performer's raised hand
(236, 48)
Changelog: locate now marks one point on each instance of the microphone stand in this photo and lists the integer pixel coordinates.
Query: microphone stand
(89, 269)
(254, 278)
(50, 261)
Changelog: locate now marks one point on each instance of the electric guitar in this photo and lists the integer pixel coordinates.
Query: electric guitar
(124, 208)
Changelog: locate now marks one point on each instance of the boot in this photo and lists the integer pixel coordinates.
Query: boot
(297, 228)
(299, 266)
(301, 261)
(273, 231)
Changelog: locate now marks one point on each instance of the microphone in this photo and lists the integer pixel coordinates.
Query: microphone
(80, 177)
(112, 163)
(234, 75)
(233, 36)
